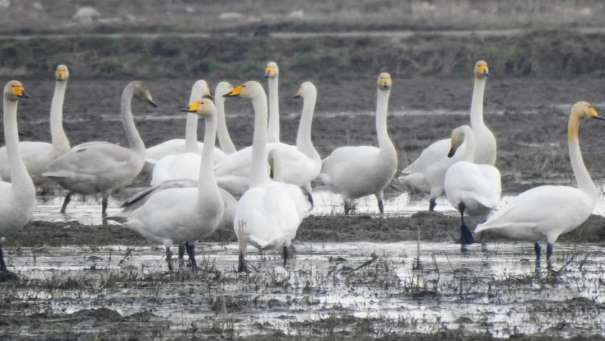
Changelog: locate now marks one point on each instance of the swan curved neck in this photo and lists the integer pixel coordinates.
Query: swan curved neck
(259, 173)
(469, 146)
(19, 174)
(477, 103)
(384, 141)
(132, 134)
(59, 139)
(224, 139)
(273, 109)
(580, 172)
(191, 134)
(206, 175)
(303, 137)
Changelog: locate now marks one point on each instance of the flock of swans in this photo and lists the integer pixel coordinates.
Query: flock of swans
(264, 191)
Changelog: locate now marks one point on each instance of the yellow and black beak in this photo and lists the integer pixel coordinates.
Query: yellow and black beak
(193, 107)
(595, 114)
(454, 144)
(19, 91)
(152, 103)
(234, 92)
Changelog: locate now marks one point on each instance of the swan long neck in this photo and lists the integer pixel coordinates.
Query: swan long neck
(191, 134)
(274, 109)
(580, 172)
(224, 139)
(18, 171)
(469, 145)
(384, 141)
(206, 175)
(303, 137)
(59, 139)
(477, 103)
(132, 134)
(259, 173)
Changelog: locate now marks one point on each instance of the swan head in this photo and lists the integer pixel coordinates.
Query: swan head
(61, 73)
(14, 90)
(223, 88)
(384, 81)
(200, 90)
(204, 107)
(141, 91)
(249, 89)
(583, 110)
(271, 70)
(481, 69)
(305, 89)
(457, 139)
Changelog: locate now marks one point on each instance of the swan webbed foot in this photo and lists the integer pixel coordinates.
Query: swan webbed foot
(181, 256)
(65, 203)
(432, 204)
(190, 248)
(242, 267)
(169, 258)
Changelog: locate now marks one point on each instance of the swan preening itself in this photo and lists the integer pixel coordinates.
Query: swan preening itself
(181, 213)
(38, 155)
(269, 212)
(100, 167)
(427, 173)
(354, 172)
(543, 213)
(18, 197)
(471, 188)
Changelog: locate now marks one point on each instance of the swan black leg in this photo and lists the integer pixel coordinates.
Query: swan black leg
(538, 251)
(242, 267)
(432, 204)
(549, 250)
(190, 247)
(169, 258)
(285, 254)
(104, 204)
(348, 207)
(5, 275)
(181, 256)
(466, 236)
(65, 202)
(2, 264)
(380, 203)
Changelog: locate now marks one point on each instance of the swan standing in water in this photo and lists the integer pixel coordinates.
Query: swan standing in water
(100, 167)
(269, 212)
(427, 173)
(190, 144)
(471, 188)
(178, 212)
(300, 164)
(544, 213)
(38, 155)
(18, 197)
(354, 172)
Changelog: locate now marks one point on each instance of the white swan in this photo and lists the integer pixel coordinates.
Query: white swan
(544, 213)
(100, 167)
(18, 197)
(224, 139)
(190, 144)
(471, 188)
(272, 75)
(354, 172)
(178, 212)
(269, 213)
(37, 155)
(300, 163)
(427, 173)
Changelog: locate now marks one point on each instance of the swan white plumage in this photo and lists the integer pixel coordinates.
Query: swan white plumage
(18, 197)
(272, 75)
(269, 212)
(182, 213)
(357, 171)
(544, 213)
(190, 144)
(427, 172)
(100, 167)
(471, 188)
(300, 164)
(37, 155)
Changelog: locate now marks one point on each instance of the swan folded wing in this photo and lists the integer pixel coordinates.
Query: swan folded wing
(141, 197)
(431, 154)
(477, 182)
(236, 185)
(541, 212)
(237, 163)
(345, 160)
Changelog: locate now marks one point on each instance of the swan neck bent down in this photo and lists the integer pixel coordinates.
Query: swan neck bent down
(580, 172)
(259, 173)
(303, 137)
(224, 139)
(274, 109)
(384, 141)
(59, 139)
(477, 103)
(191, 134)
(132, 134)
(19, 174)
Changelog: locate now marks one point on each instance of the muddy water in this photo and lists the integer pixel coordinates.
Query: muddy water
(329, 287)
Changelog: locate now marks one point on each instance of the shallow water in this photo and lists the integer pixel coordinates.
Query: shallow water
(491, 288)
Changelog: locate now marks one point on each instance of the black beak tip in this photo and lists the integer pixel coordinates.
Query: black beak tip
(184, 109)
(25, 95)
(451, 153)
(296, 96)
(153, 104)
(599, 118)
